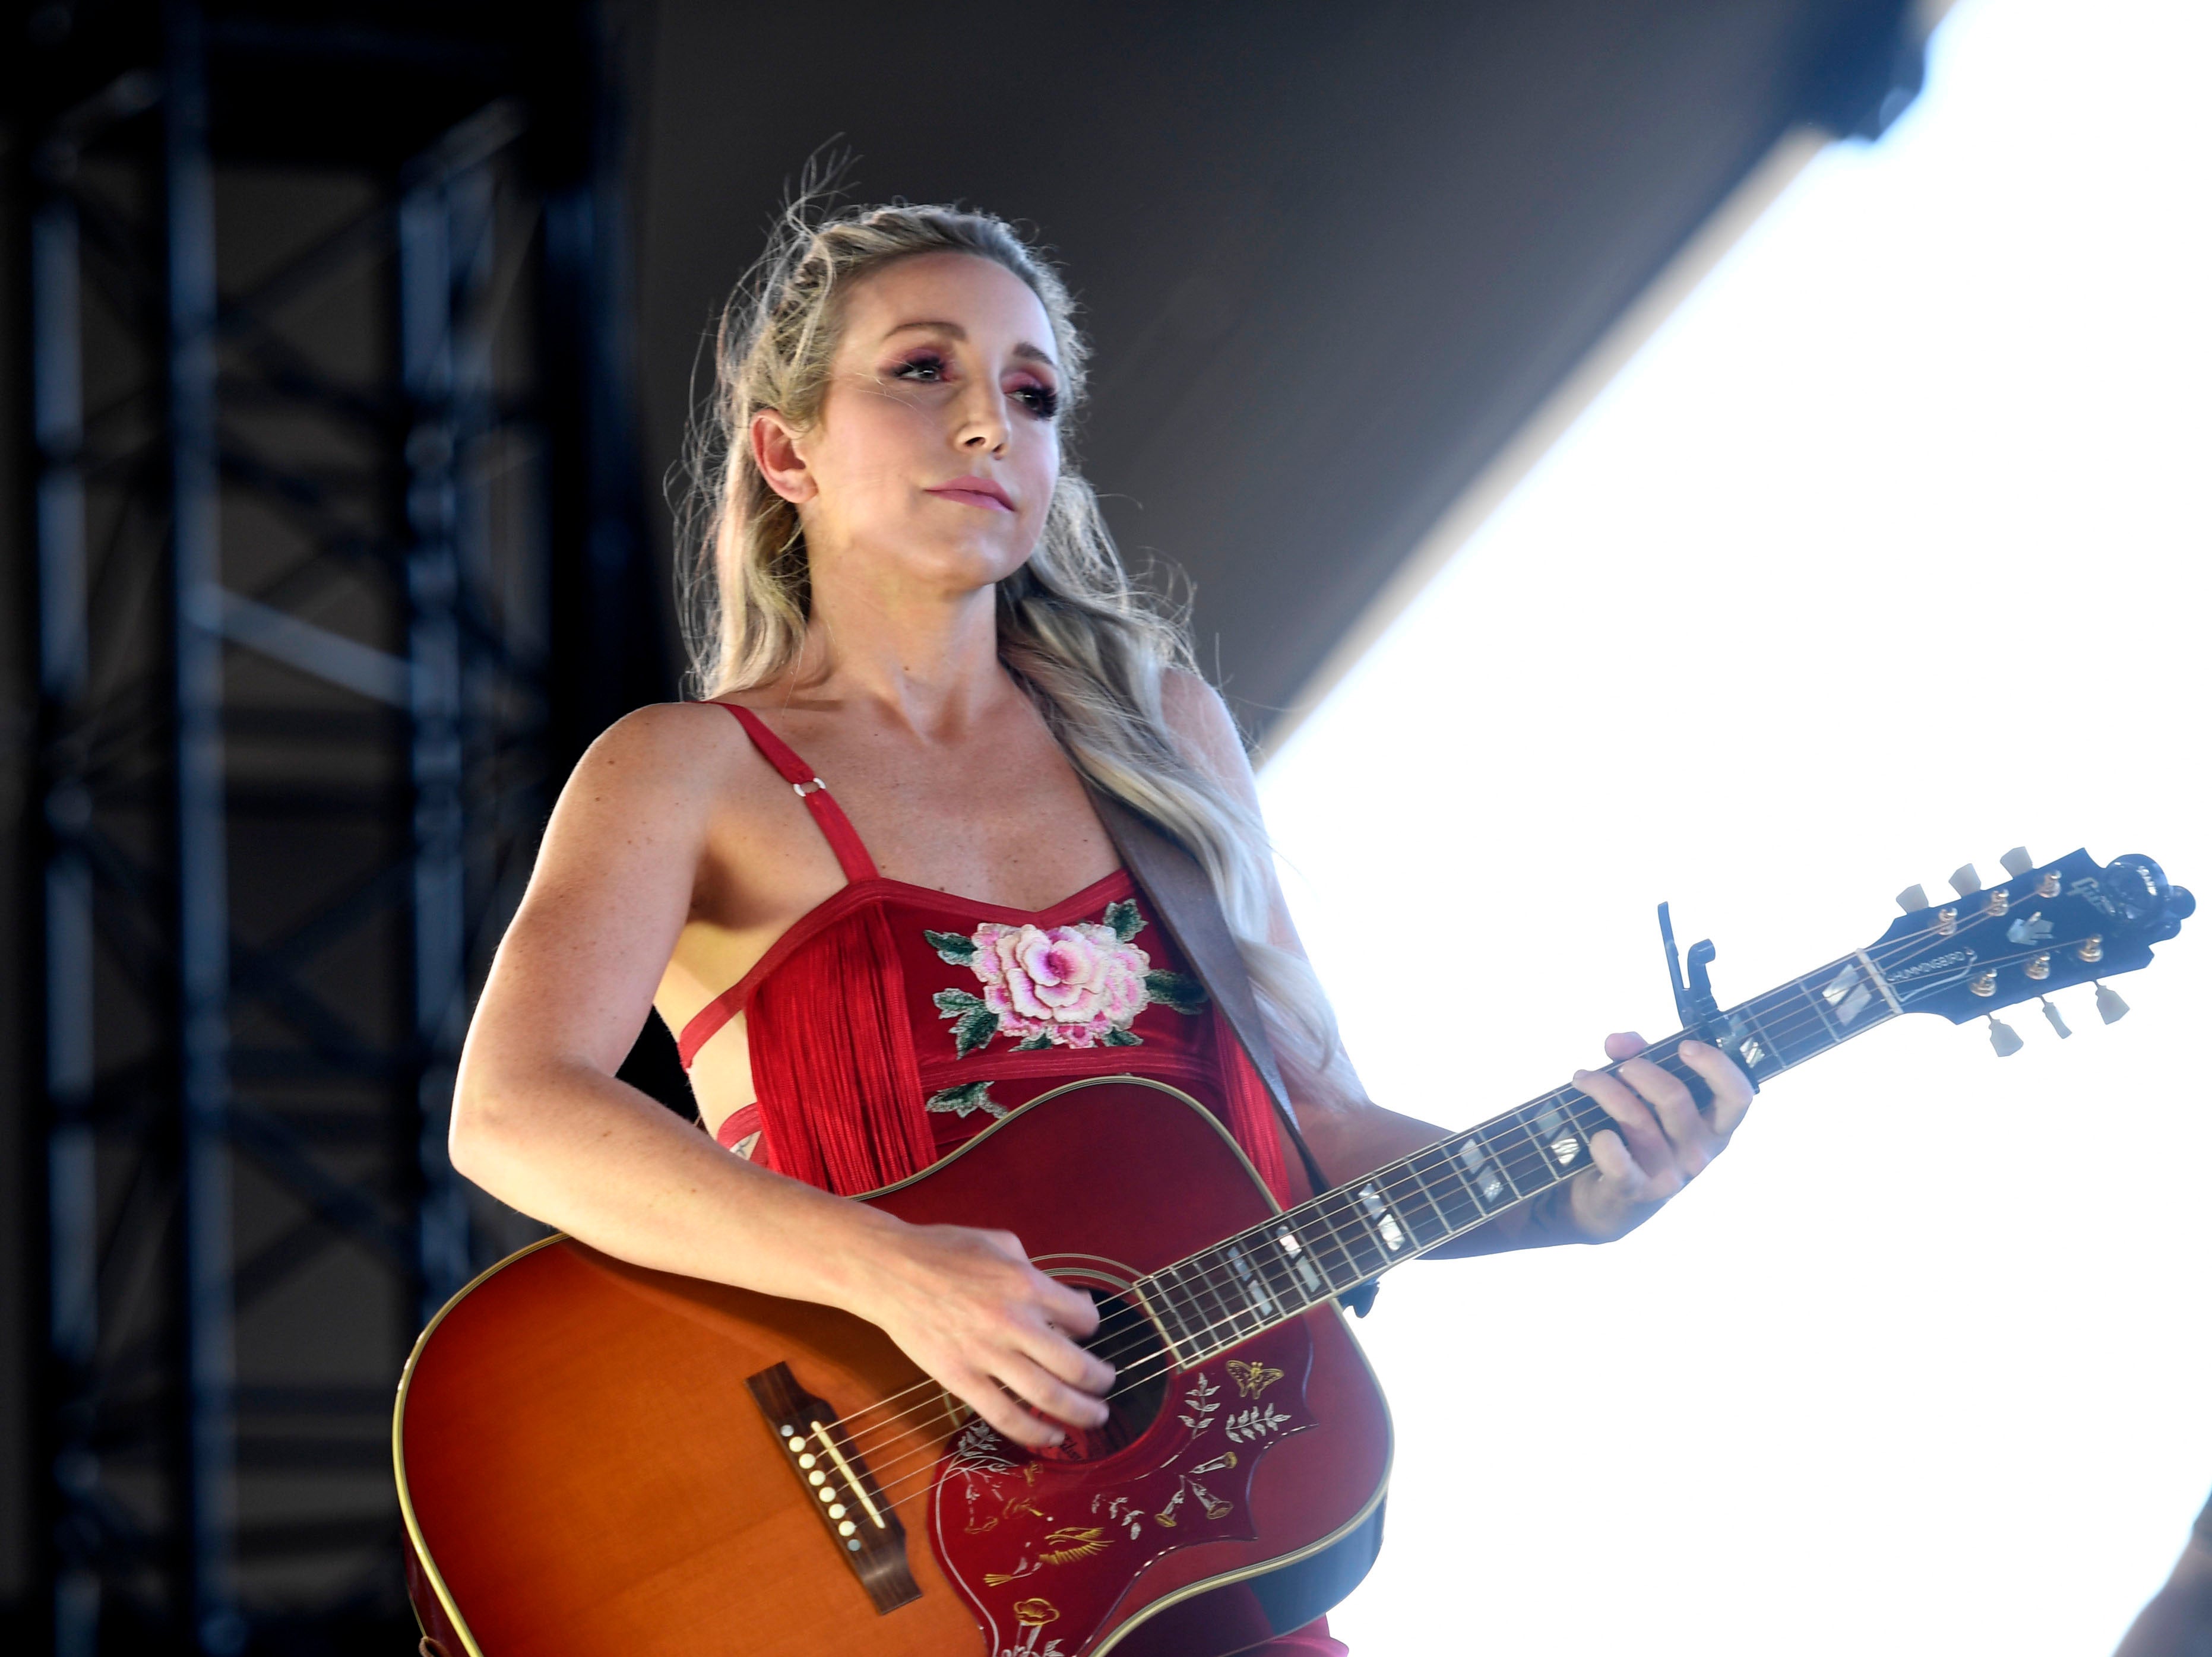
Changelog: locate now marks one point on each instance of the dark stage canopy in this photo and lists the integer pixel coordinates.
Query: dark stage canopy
(1331, 256)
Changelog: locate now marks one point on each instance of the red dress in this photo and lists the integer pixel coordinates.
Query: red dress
(893, 1022)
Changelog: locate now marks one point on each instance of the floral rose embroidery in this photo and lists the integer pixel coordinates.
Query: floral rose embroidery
(1080, 986)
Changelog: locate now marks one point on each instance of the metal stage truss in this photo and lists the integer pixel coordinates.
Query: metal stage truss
(331, 459)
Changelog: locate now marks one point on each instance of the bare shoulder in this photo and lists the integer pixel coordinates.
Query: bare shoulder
(1200, 720)
(662, 769)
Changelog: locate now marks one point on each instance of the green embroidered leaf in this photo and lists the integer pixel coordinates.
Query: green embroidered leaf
(1124, 920)
(1185, 995)
(1036, 1043)
(1121, 1039)
(968, 1097)
(950, 947)
(973, 1030)
(951, 1004)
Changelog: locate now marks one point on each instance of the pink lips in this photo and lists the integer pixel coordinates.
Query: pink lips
(975, 492)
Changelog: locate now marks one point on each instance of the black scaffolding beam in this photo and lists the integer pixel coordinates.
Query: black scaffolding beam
(329, 431)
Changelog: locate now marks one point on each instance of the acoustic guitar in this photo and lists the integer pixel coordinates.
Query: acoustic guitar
(593, 1458)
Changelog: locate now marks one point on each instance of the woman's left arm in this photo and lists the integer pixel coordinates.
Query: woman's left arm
(1660, 1141)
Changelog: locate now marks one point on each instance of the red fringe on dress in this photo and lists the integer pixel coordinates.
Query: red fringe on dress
(834, 1062)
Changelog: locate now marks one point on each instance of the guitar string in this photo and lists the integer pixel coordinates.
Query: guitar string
(1401, 1182)
(1587, 1121)
(935, 1451)
(1217, 1277)
(1222, 1333)
(1400, 1179)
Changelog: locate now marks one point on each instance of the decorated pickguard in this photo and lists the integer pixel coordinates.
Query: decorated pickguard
(1043, 1551)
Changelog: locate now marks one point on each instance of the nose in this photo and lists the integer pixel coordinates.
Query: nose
(983, 419)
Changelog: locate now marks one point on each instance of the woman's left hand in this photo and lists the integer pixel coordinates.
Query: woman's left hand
(1660, 1142)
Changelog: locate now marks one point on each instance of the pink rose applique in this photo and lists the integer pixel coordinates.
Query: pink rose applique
(1079, 985)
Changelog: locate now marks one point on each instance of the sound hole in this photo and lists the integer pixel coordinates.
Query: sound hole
(1126, 1339)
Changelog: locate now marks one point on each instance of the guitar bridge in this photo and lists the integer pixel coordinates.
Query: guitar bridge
(864, 1527)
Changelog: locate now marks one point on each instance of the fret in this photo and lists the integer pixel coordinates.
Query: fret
(1294, 1251)
(1278, 1269)
(1409, 1200)
(1227, 1292)
(1330, 1254)
(1438, 1170)
(1806, 992)
(1182, 1332)
(1362, 1245)
(1741, 1034)
(1246, 1276)
(1478, 1170)
(1381, 1217)
(1529, 1159)
(1206, 1309)
(1560, 1134)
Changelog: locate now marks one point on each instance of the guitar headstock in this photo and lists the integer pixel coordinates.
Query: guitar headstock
(2045, 928)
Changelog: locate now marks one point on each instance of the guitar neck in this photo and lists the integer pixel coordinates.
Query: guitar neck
(1353, 1234)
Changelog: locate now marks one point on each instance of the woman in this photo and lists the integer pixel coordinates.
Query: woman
(904, 584)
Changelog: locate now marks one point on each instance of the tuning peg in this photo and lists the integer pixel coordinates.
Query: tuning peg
(1912, 900)
(2005, 1039)
(2110, 1007)
(1964, 881)
(2056, 1023)
(2017, 862)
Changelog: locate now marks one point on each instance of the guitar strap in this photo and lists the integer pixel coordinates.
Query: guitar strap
(1184, 901)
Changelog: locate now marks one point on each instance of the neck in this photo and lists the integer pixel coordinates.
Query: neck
(1353, 1234)
(926, 660)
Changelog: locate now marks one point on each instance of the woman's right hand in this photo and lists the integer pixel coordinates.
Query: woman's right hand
(987, 1326)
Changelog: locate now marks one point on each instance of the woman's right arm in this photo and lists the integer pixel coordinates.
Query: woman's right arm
(541, 1122)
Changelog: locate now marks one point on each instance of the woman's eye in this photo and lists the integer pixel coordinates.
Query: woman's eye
(929, 370)
(1039, 400)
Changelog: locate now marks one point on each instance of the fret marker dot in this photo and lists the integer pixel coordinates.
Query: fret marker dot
(853, 1547)
(1566, 1147)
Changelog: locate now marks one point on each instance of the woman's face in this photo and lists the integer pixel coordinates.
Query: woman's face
(936, 452)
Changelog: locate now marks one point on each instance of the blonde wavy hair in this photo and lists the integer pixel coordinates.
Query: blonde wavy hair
(1092, 650)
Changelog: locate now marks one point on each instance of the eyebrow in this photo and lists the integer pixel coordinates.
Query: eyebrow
(1025, 350)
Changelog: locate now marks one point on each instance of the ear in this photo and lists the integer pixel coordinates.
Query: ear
(776, 452)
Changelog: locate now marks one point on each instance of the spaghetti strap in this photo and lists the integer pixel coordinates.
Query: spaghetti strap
(836, 828)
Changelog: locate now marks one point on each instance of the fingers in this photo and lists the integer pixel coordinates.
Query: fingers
(1657, 1115)
(1644, 1139)
(1000, 1333)
(1624, 1044)
(1044, 1392)
(1003, 1410)
(1069, 1309)
(1731, 1087)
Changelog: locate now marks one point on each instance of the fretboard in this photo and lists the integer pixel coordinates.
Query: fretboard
(1351, 1234)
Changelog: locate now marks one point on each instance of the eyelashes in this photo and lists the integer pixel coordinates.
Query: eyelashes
(929, 368)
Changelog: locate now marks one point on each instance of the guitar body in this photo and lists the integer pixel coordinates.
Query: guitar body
(587, 1462)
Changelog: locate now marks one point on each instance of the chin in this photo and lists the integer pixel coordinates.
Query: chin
(968, 561)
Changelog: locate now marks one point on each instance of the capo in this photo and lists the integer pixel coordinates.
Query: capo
(1694, 1001)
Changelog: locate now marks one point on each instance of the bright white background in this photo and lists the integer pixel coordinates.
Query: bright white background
(1888, 552)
